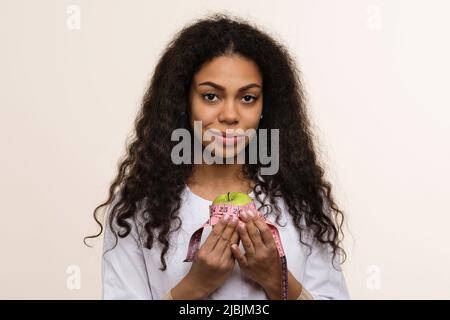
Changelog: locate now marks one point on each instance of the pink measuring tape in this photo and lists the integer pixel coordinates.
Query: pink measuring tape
(219, 210)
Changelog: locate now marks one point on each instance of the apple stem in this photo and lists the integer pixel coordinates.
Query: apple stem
(228, 196)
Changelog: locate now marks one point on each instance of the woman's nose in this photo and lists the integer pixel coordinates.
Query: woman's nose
(229, 113)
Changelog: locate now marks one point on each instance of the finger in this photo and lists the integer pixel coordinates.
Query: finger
(266, 234)
(246, 241)
(234, 240)
(224, 240)
(235, 237)
(215, 233)
(253, 231)
(239, 256)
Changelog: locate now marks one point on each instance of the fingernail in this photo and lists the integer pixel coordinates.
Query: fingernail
(244, 214)
(234, 220)
(226, 217)
(250, 214)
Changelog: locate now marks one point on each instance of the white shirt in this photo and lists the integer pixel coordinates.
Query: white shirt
(131, 271)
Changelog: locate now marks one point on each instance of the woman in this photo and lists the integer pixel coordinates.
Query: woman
(223, 76)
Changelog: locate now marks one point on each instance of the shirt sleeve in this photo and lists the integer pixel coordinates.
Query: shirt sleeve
(322, 279)
(124, 273)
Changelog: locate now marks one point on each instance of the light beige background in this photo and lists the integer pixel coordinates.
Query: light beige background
(377, 77)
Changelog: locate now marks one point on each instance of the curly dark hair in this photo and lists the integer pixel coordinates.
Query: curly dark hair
(147, 176)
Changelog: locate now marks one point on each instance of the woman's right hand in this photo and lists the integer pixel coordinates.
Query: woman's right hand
(214, 261)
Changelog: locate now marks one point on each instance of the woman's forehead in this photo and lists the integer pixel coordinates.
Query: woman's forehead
(227, 71)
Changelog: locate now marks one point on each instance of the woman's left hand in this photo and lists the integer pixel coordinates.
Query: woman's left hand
(261, 261)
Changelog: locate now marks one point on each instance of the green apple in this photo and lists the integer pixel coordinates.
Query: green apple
(236, 198)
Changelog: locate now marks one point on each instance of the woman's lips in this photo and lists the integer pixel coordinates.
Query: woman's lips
(230, 138)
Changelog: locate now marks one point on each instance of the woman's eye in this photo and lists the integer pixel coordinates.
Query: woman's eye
(249, 99)
(209, 97)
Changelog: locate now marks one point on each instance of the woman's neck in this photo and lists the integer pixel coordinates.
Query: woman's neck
(212, 180)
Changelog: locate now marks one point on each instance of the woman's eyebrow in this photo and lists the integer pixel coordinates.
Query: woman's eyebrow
(219, 87)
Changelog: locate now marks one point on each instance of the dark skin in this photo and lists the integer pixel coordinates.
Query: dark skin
(216, 259)
(213, 264)
(237, 104)
(261, 261)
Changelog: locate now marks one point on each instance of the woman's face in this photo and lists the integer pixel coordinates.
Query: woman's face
(226, 96)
